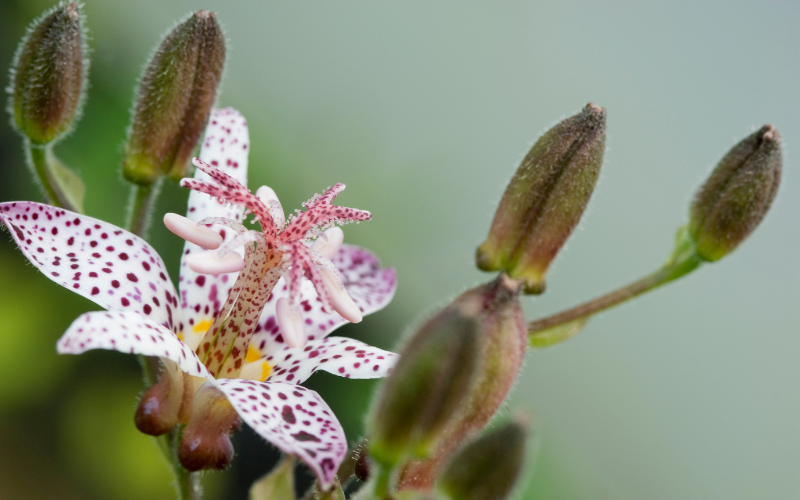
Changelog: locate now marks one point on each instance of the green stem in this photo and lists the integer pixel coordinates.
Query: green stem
(62, 187)
(382, 479)
(683, 261)
(187, 484)
(142, 202)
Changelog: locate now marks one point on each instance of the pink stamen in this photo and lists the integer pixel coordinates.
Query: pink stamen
(191, 232)
(212, 262)
(290, 321)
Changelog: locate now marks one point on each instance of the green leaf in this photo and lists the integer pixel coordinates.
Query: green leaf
(556, 334)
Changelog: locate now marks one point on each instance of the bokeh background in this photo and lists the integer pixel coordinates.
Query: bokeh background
(425, 109)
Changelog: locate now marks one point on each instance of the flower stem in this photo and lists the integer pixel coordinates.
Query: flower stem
(140, 207)
(63, 188)
(683, 261)
(187, 484)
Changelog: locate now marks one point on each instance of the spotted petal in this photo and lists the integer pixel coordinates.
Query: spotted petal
(131, 333)
(108, 265)
(294, 419)
(338, 355)
(370, 286)
(225, 146)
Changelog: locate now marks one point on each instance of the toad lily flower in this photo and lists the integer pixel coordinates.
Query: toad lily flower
(246, 340)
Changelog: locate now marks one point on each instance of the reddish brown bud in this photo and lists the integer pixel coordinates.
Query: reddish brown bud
(737, 195)
(160, 407)
(205, 443)
(48, 75)
(545, 199)
(176, 93)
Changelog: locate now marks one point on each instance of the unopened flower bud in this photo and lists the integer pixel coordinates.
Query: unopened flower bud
(174, 100)
(737, 195)
(165, 403)
(48, 75)
(431, 380)
(496, 310)
(488, 467)
(278, 484)
(205, 443)
(545, 199)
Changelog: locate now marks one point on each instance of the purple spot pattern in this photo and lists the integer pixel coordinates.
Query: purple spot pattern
(293, 418)
(108, 265)
(129, 332)
(338, 355)
(370, 286)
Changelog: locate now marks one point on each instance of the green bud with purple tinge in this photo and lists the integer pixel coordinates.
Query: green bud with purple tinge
(487, 468)
(174, 100)
(496, 309)
(48, 75)
(737, 195)
(545, 199)
(428, 385)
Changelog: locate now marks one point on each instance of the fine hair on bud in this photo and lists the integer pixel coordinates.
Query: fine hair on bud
(737, 195)
(430, 381)
(205, 442)
(176, 92)
(545, 199)
(489, 467)
(48, 75)
(496, 309)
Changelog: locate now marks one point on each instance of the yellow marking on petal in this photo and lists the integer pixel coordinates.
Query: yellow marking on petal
(252, 354)
(265, 371)
(180, 336)
(202, 326)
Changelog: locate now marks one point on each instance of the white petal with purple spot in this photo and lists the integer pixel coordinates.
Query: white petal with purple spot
(294, 419)
(108, 265)
(131, 333)
(338, 355)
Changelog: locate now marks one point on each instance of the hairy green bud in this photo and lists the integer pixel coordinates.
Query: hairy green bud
(495, 308)
(545, 199)
(737, 195)
(487, 468)
(175, 96)
(431, 380)
(48, 75)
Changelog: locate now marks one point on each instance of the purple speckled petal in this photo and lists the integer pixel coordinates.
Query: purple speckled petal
(108, 265)
(370, 286)
(225, 146)
(131, 333)
(294, 419)
(338, 355)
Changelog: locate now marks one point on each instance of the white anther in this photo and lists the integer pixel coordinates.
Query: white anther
(329, 244)
(341, 301)
(270, 199)
(212, 262)
(290, 321)
(191, 232)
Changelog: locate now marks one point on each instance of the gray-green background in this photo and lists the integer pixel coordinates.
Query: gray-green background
(424, 110)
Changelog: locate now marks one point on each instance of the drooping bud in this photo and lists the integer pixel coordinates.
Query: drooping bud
(165, 403)
(737, 195)
(278, 484)
(205, 443)
(545, 199)
(175, 96)
(430, 382)
(488, 467)
(496, 310)
(48, 75)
